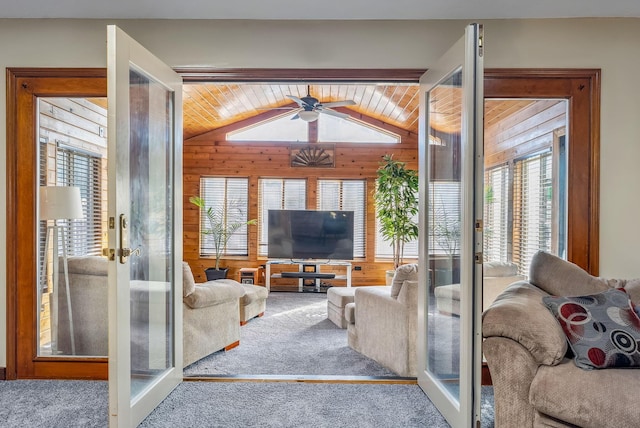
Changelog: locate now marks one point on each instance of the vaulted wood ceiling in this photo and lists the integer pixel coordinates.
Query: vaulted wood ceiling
(208, 106)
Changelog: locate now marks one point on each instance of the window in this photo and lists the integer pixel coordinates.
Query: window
(333, 129)
(82, 169)
(277, 194)
(496, 214)
(229, 197)
(281, 128)
(532, 208)
(384, 250)
(330, 129)
(346, 195)
(444, 218)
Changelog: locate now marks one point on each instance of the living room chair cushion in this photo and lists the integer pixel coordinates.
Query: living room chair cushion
(603, 329)
(408, 272)
(188, 281)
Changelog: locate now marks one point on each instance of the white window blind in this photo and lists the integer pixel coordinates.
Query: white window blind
(229, 197)
(83, 170)
(532, 209)
(277, 194)
(496, 214)
(346, 195)
(384, 249)
(444, 218)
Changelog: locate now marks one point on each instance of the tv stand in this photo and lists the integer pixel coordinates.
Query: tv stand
(308, 272)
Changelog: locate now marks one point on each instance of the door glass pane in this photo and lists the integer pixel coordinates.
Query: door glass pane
(150, 231)
(72, 201)
(525, 196)
(444, 215)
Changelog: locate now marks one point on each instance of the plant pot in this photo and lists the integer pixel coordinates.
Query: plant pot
(213, 273)
(388, 277)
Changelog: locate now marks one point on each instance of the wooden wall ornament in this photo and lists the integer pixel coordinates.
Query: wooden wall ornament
(313, 155)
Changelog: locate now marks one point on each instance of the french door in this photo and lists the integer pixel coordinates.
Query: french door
(449, 347)
(145, 230)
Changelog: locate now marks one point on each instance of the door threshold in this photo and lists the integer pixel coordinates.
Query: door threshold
(303, 379)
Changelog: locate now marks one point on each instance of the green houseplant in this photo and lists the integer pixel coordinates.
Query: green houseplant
(396, 197)
(221, 228)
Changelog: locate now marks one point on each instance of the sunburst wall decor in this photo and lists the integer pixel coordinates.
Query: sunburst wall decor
(313, 155)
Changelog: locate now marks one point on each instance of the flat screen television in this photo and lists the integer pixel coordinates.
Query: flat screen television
(310, 234)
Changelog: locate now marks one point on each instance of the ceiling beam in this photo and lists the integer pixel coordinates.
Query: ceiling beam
(329, 75)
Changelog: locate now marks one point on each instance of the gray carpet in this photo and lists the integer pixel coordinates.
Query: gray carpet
(63, 404)
(294, 337)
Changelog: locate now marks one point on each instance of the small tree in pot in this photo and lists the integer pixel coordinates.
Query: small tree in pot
(220, 229)
(396, 197)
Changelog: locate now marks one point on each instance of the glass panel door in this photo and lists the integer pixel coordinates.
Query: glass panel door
(450, 163)
(145, 353)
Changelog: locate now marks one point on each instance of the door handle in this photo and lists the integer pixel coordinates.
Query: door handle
(125, 252)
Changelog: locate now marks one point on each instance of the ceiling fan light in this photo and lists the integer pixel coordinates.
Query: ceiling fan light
(308, 116)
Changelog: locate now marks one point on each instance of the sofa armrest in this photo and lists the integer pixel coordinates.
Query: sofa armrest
(212, 293)
(380, 314)
(519, 314)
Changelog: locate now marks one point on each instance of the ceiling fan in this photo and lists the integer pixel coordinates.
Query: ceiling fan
(310, 107)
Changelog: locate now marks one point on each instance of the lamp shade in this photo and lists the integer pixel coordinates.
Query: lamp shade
(60, 202)
(308, 115)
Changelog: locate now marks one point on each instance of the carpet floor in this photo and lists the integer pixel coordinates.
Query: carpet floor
(63, 404)
(294, 337)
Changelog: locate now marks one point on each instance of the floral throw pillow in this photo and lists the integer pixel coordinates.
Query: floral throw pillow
(603, 329)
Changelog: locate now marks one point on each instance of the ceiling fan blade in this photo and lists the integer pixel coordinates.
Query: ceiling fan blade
(339, 103)
(296, 99)
(333, 113)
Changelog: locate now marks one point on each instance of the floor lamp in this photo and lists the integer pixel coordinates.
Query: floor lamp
(60, 203)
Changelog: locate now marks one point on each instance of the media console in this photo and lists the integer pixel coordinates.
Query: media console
(308, 275)
(308, 270)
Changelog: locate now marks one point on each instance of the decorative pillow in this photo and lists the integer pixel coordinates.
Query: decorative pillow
(188, 282)
(404, 273)
(603, 329)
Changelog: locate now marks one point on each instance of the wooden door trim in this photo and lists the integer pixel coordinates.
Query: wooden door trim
(24, 85)
(581, 88)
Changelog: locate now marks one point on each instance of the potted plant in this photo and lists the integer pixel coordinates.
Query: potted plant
(396, 197)
(220, 230)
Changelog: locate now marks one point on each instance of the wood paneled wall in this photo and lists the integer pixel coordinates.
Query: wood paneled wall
(211, 154)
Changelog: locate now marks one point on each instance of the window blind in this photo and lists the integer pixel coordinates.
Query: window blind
(384, 249)
(277, 194)
(444, 217)
(81, 169)
(496, 214)
(532, 209)
(346, 195)
(229, 198)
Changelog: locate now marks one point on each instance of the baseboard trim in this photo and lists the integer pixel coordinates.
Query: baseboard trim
(304, 379)
(3, 373)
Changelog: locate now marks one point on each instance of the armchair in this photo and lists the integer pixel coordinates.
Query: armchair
(382, 322)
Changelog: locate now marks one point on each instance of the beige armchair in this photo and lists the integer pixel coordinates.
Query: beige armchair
(88, 295)
(211, 312)
(382, 322)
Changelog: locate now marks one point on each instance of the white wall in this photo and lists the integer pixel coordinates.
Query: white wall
(609, 44)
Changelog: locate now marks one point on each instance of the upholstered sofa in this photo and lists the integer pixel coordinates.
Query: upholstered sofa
(536, 382)
(382, 321)
(496, 277)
